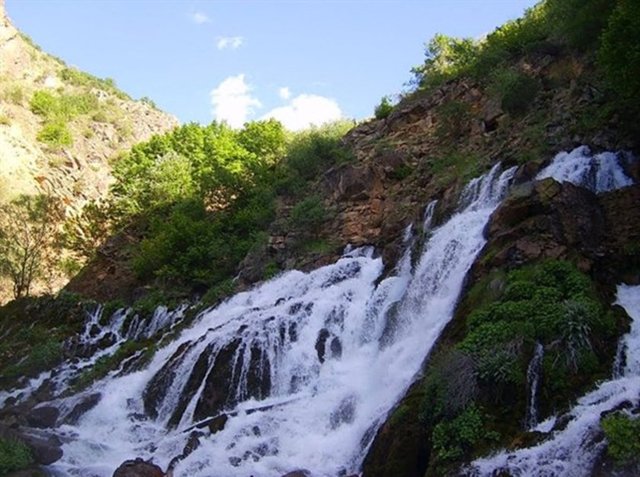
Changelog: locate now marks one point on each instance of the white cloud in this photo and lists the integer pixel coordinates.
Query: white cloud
(284, 93)
(306, 110)
(231, 42)
(232, 101)
(200, 18)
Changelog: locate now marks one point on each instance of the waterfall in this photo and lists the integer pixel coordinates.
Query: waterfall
(296, 373)
(598, 173)
(573, 450)
(101, 337)
(533, 380)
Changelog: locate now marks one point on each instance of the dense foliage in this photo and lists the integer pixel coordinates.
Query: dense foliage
(205, 195)
(14, 455)
(606, 27)
(623, 437)
(470, 384)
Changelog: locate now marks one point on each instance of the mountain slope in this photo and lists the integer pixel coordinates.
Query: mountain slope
(60, 127)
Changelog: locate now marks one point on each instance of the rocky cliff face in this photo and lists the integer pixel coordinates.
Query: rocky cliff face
(75, 169)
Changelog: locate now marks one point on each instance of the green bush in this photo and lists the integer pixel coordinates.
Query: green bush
(55, 134)
(455, 438)
(14, 455)
(623, 437)
(14, 94)
(308, 215)
(80, 78)
(384, 108)
(552, 303)
(579, 22)
(515, 90)
(317, 149)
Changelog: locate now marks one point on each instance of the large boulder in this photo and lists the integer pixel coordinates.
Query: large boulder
(138, 468)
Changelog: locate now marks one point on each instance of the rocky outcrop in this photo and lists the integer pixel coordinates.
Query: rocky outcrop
(75, 173)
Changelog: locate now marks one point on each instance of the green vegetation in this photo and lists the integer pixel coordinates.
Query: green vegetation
(105, 364)
(203, 196)
(455, 438)
(516, 90)
(58, 110)
(308, 215)
(14, 455)
(80, 78)
(33, 330)
(603, 28)
(473, 394)
(553, 304)
(384, 108)
(27, 236)
(623, 437)
(14, 94)
(55, 134)
(619, 54)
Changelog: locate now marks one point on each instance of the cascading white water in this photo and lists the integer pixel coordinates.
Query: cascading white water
(598, 173)
(100, 337)
(572, 451)
(316, 362)
(533, 380)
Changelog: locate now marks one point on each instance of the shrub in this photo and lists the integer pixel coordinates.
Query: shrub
(14, 455)
(317, 149)
(549, 303)
(55, 134)
(454, 438)
(453, 120)
(623, 437)
(384, 108)
(308, 215)
(515, 90)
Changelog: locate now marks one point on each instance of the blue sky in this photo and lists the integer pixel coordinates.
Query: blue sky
(301, 61)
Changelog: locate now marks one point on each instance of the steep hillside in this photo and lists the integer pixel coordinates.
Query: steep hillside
(469, 283)
(60, 127)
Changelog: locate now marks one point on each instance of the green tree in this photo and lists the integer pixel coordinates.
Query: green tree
(27, 236)
(619, 54)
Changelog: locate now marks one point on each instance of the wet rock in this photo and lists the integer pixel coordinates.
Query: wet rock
(86, 403)
(138, 468)
(159, 385)
(43, 417)
(217, 389)
(45, 449)
(321, 343)
(298, 473)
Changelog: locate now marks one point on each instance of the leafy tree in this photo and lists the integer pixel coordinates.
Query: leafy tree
(27, 234)
(446, 57)
(619, 54)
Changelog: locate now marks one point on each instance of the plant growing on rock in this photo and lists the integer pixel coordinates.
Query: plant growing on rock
(14, 455)
(623, 437)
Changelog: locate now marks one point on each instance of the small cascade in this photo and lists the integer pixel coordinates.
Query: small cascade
(301, 370)
(599, 173)
(574, 450)
(427, 221)
(533, 380)
(101, 336)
